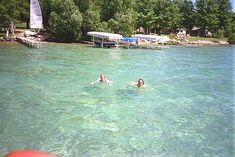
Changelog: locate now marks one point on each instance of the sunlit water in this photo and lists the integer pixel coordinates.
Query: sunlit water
(48, 104)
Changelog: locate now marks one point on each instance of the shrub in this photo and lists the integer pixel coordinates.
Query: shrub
(231, 38)
(65, 21)
(219, 33)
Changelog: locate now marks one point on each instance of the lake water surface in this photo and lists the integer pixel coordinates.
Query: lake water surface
(48, 104)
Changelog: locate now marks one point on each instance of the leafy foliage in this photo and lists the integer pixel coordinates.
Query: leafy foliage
(122, 23)
(225, 16)
(219, 33)
(9, 12)
(70, 20)
(65, 21)
(168, 14)
(46, 6)
(207, 14)
(187, 12)
(231, 38)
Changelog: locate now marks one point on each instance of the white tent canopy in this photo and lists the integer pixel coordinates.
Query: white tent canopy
(104, 35)
(151, 37)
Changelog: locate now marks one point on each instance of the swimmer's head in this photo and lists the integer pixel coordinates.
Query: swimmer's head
(102, 78)
(140, 83)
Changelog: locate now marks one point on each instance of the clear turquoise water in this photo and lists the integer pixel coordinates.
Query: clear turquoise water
(47, 103)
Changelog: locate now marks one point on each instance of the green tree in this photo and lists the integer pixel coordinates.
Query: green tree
(65, 21)
(231, 38)
(225, 16)
(111, 7)
(119, 14)
(145, 14)
(188, 13)
(8, 12)
(122, 23)
(13, 11)
(168, 15)
(92, 22)
(83, 5)
(91, 17)
(207, 15)
(23, 7)
(46, 6)
(233, 24)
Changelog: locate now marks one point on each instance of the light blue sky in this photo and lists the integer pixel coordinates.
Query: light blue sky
(231, 1)
(233, 4)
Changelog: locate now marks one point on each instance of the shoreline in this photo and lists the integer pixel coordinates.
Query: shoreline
(204, 43)
(173, 42)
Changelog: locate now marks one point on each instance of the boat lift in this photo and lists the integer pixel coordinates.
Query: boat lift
(103, 35)
(157, 38)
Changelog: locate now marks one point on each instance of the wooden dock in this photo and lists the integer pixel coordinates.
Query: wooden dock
(30, 42)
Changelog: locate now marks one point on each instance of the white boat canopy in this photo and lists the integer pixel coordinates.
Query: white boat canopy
(104, 35)
(151, 37)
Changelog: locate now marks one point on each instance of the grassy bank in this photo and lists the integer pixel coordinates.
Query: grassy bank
(191, 39)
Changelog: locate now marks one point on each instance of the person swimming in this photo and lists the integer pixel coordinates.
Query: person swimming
(102, 79)
(138, 84)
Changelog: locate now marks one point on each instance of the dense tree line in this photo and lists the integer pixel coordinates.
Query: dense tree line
(70, 20)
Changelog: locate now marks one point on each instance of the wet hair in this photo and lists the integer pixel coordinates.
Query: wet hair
(140, 80)
(102, 79)
(102, 75)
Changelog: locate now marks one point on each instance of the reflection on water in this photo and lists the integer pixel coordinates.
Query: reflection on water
(48, 104)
